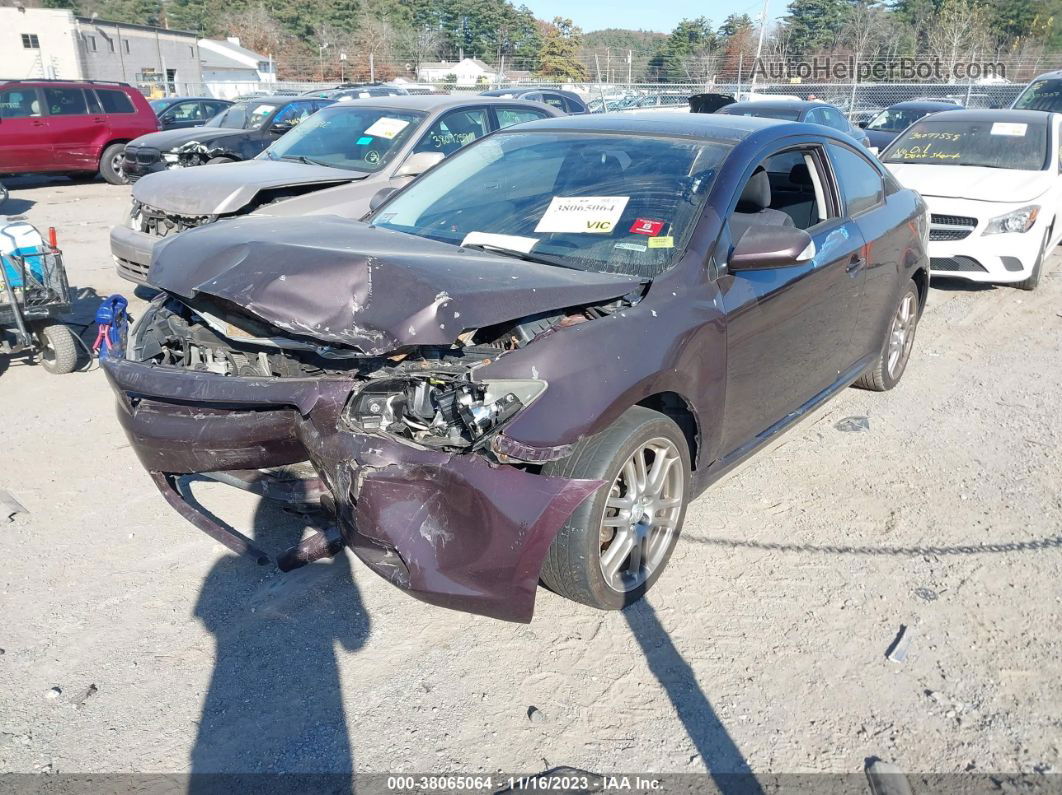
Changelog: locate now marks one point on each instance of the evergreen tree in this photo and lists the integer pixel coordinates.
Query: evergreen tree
(559, 49)
(814, 24)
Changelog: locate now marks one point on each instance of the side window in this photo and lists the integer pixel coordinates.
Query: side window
(93, 101)
(571, 106)
(213, 108)
(65, 101)
(184, 111)
(115, 101)
(860, 182)
(294, 113)
(19, 103)
(454, 130)
(554, 101)
(510, 116)
(786, 189)
(836, 120)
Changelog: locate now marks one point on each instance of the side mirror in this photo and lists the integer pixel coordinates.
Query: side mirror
(280, 129)
(863, 125)
(378, 198)
(764, 246)
(417, 164)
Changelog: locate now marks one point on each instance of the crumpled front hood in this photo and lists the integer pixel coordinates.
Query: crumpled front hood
(227, 188)
(973, 182)
(343, 282)
(168, 140)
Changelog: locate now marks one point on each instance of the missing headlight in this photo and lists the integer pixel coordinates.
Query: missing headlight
(439, 410)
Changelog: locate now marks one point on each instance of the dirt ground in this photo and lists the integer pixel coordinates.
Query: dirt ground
(132, 642)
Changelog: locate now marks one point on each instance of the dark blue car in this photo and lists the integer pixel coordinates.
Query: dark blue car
(883, 128)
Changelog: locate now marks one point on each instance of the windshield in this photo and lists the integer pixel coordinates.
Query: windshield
(243, 115)
(893, 120)
(609, 203)
(763, 113)
(995, 144)
(1041, 95)
(362, 139)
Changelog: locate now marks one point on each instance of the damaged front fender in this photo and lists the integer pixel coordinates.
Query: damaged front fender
(463, 535)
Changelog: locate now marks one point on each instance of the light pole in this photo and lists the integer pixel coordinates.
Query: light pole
(320, 56)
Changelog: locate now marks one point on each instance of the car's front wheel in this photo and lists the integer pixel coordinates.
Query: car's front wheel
(617, 543)
(888, 368)
(1033, 279)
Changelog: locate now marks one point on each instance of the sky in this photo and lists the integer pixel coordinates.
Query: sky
(646, 15)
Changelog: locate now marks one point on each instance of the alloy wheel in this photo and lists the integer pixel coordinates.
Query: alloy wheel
(901, 335)
(641, 515)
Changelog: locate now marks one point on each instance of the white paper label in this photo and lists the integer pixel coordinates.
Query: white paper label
(511, 242)
(386, 128)
(595, 215)
(1009, 128)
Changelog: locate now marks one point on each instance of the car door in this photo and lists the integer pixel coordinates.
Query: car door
(24, 141)
(789, 329)
(863, 190)
(183, 115)
(73, 131)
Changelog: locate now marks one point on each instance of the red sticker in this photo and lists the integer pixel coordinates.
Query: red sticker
(643, 226)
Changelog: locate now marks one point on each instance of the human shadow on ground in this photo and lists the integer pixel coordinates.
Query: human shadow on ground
(274, 704)
(718, 752)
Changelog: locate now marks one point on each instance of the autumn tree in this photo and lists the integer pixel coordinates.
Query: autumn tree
(560, 45)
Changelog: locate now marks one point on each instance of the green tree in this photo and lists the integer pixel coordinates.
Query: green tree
(814, 24)
(560, 47)
(688, 55)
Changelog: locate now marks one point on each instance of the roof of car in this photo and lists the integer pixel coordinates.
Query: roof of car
(924, 104)
(429, 101)
(278, 99)
(173, 100)
(516, 91)
(694, 125)
(1021, 116)
(800, 105)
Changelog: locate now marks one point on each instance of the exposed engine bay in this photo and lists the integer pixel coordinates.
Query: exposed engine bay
(425, 395)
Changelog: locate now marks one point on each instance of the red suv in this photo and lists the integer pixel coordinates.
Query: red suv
(73, 127)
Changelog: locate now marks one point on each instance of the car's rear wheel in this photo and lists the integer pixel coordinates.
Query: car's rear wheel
(888, 368)
(616, 544)
(111, 164)
(1033, 279)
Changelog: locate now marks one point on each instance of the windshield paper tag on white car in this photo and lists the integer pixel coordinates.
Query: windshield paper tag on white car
(1009, 128)
(386, 128)
(595, 215)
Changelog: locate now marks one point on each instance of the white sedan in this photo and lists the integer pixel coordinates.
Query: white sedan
(992, 183)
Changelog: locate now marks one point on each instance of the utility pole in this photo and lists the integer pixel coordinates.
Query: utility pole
(597, 62)
(608, 64)
(372, 68)
(759, 45)
(630, 56)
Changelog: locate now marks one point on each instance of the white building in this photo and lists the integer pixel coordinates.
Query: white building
(466, 72)
(53, 43)
(230, 70)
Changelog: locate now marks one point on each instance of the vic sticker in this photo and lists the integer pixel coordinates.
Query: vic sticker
(386, 127)
(595, 215)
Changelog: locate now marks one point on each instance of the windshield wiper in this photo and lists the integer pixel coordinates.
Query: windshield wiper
(303, 159)
(512, 252)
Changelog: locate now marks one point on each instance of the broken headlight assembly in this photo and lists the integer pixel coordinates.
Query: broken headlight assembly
(438, 410)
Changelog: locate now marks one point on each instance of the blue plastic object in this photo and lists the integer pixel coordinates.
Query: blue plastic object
(112, 320)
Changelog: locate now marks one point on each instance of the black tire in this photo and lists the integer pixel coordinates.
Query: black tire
(1033, 279)
(111, 164)
(573, 564)
(3, 195)
(58, 348)
(217, 161)
(880, 377)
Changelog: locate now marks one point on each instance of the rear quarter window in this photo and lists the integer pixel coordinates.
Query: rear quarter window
(115, 101)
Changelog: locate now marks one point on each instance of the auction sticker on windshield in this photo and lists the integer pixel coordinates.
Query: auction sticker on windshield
(386, 127)
(582, 214)
(1010, 128)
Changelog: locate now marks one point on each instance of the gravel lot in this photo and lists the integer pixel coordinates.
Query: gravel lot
(132, 642)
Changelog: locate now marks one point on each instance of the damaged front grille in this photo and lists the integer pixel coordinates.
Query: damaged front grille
(159, 223)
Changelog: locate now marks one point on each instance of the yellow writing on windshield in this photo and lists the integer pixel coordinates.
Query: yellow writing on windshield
(925, 153)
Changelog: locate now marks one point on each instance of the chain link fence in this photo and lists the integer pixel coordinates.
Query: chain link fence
(858, 100)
